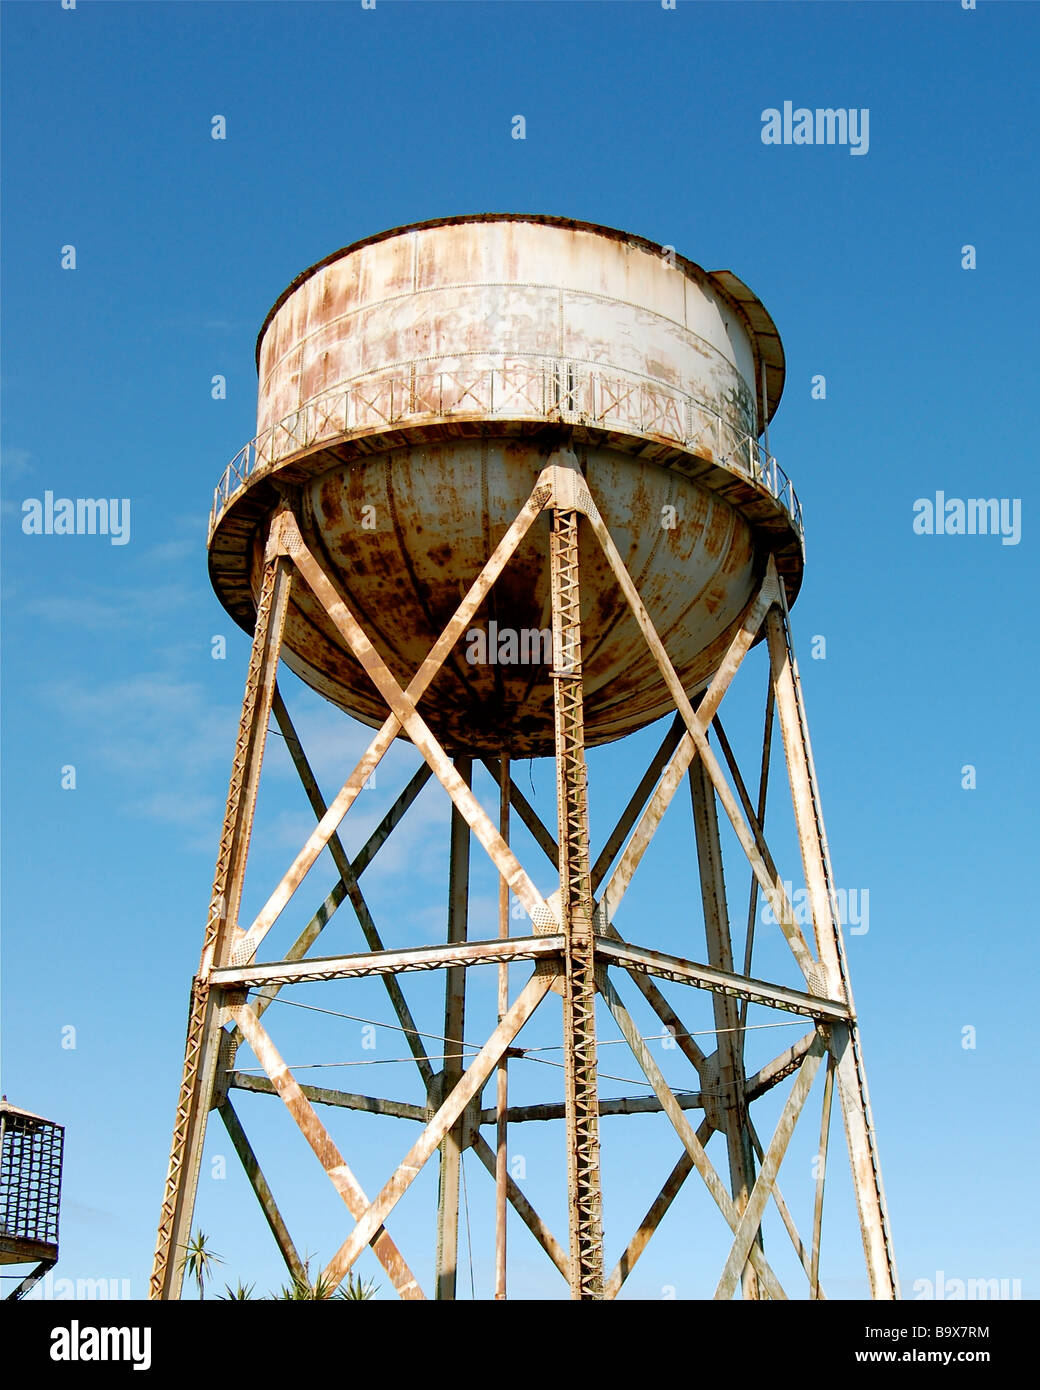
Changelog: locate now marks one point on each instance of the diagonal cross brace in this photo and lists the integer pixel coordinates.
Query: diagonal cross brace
(685, 1131)
(328, 1155)
(473, 1079)
(348, 878)
(752, 1218)
(404, 715)
(771, 886)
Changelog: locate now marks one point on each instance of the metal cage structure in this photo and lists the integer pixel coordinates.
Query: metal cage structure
(31, 1151)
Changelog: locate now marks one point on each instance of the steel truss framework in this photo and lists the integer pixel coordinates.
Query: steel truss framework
(575, 949)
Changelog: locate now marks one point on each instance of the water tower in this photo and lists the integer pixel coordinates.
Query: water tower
(507, 499)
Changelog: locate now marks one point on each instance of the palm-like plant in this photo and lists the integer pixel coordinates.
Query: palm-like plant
(355, 1287)
(303, 1287)
(198, 1260)
(240, 1293)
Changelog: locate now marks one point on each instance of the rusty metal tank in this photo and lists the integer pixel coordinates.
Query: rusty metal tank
(411, 388)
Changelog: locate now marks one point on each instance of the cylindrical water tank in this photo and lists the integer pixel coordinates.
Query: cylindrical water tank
(413, 385)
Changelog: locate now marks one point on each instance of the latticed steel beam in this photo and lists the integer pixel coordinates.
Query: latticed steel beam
(502, 1077)
(364, 963)
(845, 1046)
(685, 972)
(323, 1095)
(205, 1032)
(576, 905)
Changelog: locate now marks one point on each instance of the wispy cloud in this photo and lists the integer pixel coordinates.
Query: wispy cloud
(15, 464)
(187, 543)
(110, 609)
(162, 740)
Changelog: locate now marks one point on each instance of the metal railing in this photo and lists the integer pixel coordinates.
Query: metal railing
(540, 389)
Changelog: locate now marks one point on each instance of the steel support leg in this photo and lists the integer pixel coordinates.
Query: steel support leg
(576, 909)
(454, 1025)
(844, 1038)
(732, 1101)
(502, 1074)
(205, 1031)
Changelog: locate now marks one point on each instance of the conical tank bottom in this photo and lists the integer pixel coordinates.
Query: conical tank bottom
(403, 535)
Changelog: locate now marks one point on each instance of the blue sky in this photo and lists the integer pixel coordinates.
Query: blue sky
(343, 122)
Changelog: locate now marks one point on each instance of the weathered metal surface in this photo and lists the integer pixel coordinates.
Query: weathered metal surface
(845, 1046)
(431, 347)
(543, 947)
(205, 1032)
(502, 1077)
(685, 972)
(617, 1105)
(454, 1060)
(585, 1203)
(476, 267)
(821, 1178)
(324, 1095)
(779, 1068)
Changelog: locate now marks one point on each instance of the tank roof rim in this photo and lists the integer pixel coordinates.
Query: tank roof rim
(765, 337)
